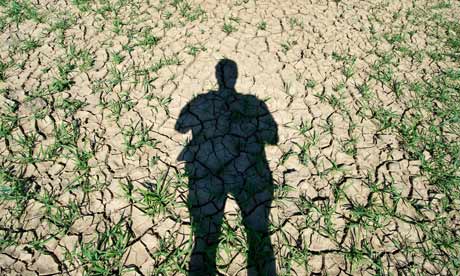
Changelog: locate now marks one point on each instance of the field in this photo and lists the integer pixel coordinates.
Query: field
(366, 165)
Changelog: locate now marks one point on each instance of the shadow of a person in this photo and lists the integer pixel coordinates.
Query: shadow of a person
(226, 156)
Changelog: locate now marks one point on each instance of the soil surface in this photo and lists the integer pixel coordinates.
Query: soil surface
(119, 136)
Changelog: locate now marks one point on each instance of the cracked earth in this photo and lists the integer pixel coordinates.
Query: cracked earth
(93, 175)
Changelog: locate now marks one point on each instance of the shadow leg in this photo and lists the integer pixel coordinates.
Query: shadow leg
(207, 210)
(256, 209)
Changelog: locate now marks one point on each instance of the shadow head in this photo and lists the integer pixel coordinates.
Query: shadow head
(226, 73)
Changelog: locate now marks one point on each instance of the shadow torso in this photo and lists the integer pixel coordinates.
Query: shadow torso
(229, 131)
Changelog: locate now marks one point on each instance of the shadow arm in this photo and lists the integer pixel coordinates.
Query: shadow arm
(268, 127)
(182, 124)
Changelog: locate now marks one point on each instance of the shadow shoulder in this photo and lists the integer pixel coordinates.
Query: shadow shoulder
(253, 100)
(201, 98)
(251, 97)
(205, 96)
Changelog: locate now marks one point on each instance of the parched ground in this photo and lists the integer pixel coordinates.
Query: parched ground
(365, 95)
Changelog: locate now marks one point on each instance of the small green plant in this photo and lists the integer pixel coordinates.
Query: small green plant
(3, 67)
(310, 84)
(29, 44)
(156, 198)
(103, 255)
(123, 103)
(295, 22)
(167, 24)
(442, 5)
(148, 39)
(286, 46)
(117, 26)
(63, 217)
(85, 60)
(137, 136)
(228, 28)
(193, 50)
(190, 13)
(116, 77)
(18, 11)
(82, 5)
(348, 72)
(305, 127)
(14, 188)
(63, 81)
(117, 57)
(69, 106)
(262, 25)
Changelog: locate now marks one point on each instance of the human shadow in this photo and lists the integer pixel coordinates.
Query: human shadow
(226, 155)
